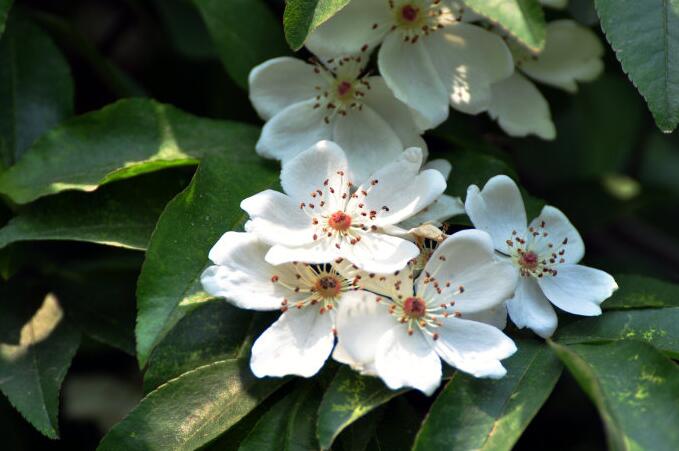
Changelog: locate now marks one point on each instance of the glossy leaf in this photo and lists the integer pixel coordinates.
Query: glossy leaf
(288, 425)
(185, 28)
(301, 17)
(643, 36)
(522, 19)
(34, 364)
(349, 397)
(122, 214)
(641, 291)
(245, 32)
(211, 332)
(484, 414)
(31, 101)
(658, 327)
(191, 410)
(187, 229)
(122, 140)
(635, 388)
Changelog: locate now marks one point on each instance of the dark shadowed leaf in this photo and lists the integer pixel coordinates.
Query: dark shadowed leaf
(640, 292)
(635, 388)
(301, 17)
(5, 6)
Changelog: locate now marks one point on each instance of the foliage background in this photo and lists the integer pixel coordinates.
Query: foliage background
(610, 169)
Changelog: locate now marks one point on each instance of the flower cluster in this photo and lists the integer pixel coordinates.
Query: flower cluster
(354, 252)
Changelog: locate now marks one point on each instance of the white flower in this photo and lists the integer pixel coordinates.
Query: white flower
(572, 54)
(301, 340)
(428, 58)
(323, 216)
(402, 338)
(306, 103)
(546, 252)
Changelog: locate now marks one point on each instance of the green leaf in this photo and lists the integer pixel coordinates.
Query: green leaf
(655, 326)
(399, 426)
(301, 17)
(122, 140)
(191, 410)
(288, 425)
(522, 19)
(213, 331)
(34, 364)
(643, 37)
(640, 292)
(116, 215)
(187, 229)
(472, 167)
(635, 388)
(484, 414)
(185, 28)
(5, 6)
(31, 101)
(349, 397)
(245, 32)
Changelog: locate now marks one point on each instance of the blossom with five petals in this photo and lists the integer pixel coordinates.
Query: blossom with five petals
(305, 103)
(402, 333)
(324, 216)
(546, 253)
(429, 58)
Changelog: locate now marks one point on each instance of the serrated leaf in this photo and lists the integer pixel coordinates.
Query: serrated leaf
(643, 36)
(642, 291)
(122, 214)
(31, 101)
(211, 332)
(5, 6)
(522, 19)
(245, 32)
(634, 387)
(187, 229)
(288, 425)
(658, 326)
(191, 410)
(33, 366)
(484, 414)
(301, 17)
(349, 397)
(125, 139)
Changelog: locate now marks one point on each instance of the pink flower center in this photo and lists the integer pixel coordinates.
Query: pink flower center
(343, 88)
(328, 286)
(415, 307)
(409, 13)
(340, 221)
(529, 260)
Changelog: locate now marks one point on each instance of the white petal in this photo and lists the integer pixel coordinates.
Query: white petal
(379, 253)
(361, 321)
(468, 60)
(293, 130)
(280, 82)
(410, 74)
(307, 172)
(520, 109)
(578, 289)
(559, 229)
(322, 250)
(368, 140)
(530, 308)
(473, 347)
(243, 277)
(277, 219)
(380, 98)
(497, 209)
(404, 360)
(496, 317)
(441, 165)
(298, 343)
(348, 31)
(467, 259)
(438, 211)
(572, 54)
(384, 284)
(401, 190)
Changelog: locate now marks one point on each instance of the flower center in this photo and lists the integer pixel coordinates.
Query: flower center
(328, 286)
(344, 89)
(522, 249)
(340, 221)
(414, 307)
(409, 13)
(529, 260)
